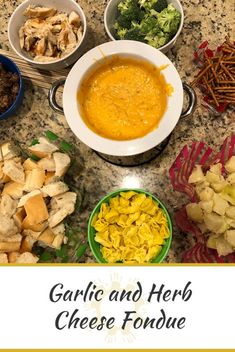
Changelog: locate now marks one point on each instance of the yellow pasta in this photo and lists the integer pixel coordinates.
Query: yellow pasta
(131, 228)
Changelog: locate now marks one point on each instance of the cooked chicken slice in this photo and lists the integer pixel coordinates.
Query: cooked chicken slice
(56, 28)
(21, 36)
(43, 148)
(57, 217)
(8, 205)
(14, 170)
(74, 19)
(39, 12)
(35, 23)
(79, 34)
(53, 189)
(27, 258)
(63, 39)
(3, 258)
(72, 39)
(50, 49)
(47, 164)
(62, 163)
(28, 42)
(57, 19)
(40, 48)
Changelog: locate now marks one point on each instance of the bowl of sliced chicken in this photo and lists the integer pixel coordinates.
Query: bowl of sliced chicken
(34, 200)
(48, 34)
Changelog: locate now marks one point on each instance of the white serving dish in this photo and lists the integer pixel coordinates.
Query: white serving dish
(125, 48)
(111, 13)
(18, 19)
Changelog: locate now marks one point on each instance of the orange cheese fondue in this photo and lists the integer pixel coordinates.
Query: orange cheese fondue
(123, 98)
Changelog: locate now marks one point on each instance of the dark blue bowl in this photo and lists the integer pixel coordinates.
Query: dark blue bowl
(10, 66)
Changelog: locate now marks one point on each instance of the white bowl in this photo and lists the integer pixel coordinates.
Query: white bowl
(18, 19)
(111, 13)
(71, 107)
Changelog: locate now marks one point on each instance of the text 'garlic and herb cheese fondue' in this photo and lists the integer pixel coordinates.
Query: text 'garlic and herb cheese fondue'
(123, 98)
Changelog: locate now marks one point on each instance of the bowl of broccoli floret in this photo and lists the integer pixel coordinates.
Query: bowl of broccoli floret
(154, 22)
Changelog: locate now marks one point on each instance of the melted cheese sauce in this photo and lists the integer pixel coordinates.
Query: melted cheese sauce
(124, 98)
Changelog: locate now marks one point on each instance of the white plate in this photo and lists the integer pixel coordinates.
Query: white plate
(122, 148)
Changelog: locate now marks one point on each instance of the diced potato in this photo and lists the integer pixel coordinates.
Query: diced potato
(211, 242)
(230, 165)
(202, 227)
(231, 178)
(223, 227)
(223, 247)
(207, 206)
(194, 212)
(230, 237)
(220, 204)
(213, 222)
(219, 186)
(230, 212)
(197, 175)
(201, 186)
(213, 178)
(230, 222)
(206, 194)
(216, 169)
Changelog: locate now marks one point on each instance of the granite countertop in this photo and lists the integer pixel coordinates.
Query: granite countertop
(211, 20)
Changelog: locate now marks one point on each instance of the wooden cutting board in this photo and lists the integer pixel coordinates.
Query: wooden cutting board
(38, 77)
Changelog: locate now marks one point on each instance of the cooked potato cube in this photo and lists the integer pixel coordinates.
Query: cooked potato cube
(206, 194)
(207, 206)
(219, 186)
(213, 178)
(211, 242)
(194, 212)
(197, 175)
(223, 247)
(231, 178)
(230, 212)
(220, 204)
(230, 165)
(230, 237)
(216, 169)
(213, 222)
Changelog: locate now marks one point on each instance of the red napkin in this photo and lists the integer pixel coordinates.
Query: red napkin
(198, 154)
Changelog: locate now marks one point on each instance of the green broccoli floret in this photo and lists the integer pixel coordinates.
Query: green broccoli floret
(120, 31)
(158, 40)
(135, 34)
(159, 5)
(149, 25)
(169, 20)
(130, 10)
(123, 22)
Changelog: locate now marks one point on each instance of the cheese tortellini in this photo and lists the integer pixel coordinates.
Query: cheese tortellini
(131, 228)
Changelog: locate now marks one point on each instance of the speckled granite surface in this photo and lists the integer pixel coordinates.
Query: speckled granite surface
(211, 20)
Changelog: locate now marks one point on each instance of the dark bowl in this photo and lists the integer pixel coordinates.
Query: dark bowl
(10, 66)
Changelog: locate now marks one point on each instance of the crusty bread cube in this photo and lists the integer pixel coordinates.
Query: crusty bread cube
(62, 163)
(3, 258)
(13, 189)
(43, 149)
(14, 170)
(36, 210)
(34, 180)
